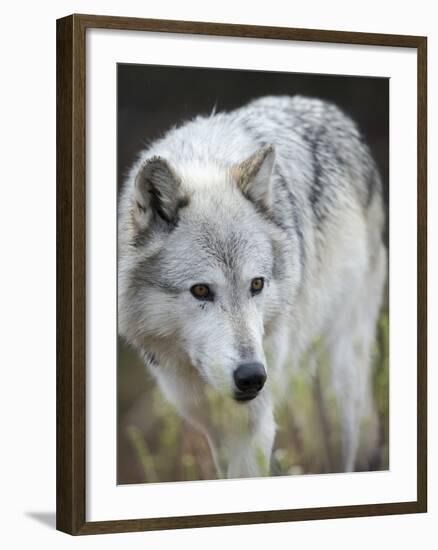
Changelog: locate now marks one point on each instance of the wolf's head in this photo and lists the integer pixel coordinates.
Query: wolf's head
(201, 268)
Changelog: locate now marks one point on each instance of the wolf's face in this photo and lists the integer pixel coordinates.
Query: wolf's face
(200, 286)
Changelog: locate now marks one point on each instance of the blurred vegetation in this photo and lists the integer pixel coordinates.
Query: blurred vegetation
(155, 444)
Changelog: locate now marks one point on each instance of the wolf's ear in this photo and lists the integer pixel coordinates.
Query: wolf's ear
(253, 176)
(157, 193)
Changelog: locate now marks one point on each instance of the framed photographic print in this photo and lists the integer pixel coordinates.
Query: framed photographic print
(241, 274)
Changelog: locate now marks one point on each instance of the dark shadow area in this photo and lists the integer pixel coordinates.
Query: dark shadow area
(45, 518)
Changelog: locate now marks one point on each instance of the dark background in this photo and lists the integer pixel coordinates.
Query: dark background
(154, 444)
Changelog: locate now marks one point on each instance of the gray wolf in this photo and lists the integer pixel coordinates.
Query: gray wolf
(244, 238)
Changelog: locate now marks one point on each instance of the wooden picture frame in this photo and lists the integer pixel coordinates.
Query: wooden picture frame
(71, 273)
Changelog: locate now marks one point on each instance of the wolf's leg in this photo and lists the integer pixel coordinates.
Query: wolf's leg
(346, 388)
(349, 347)
(350, 429)
(249, 454)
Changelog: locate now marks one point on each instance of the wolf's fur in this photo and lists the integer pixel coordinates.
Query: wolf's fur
(282, 188)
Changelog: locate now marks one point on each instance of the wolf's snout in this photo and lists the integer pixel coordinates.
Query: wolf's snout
(249, 379)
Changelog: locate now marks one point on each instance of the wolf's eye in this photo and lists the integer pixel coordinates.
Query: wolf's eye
(257, 285)
(201, 292)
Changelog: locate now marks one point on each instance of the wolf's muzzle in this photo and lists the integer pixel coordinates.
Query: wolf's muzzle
(249, 379)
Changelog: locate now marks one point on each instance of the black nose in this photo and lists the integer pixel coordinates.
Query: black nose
(250, 378)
